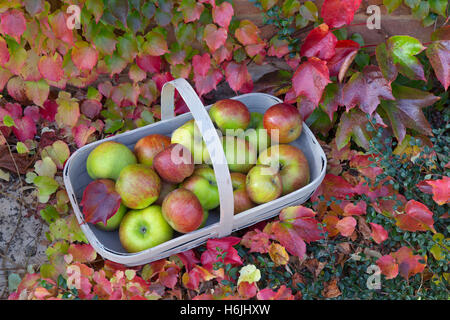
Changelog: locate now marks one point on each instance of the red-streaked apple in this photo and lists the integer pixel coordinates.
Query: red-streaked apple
(203, 184)
(229, 114)
(138, 186)
(291, 163)
(263, 184)
(182, 210)
(108, 159)
(240, 154)
(174, 164)
(285, 121)
(242, 201)
(189, 136)
(256, 134)
(143, 229)
(166, 188)
(113, 222)
(148, 147)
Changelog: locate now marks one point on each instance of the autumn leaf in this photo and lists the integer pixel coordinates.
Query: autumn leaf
(438, 53)
(84, 56)
(357, 209)
(331, 289)
(278, 254)
(379, 234)
(365, 89)
(191, 10)
(256, 241)
(4, 52)
(208, 82)
(149, 63)
(216, 248)
(286, 234)
(247, 33)
(303, 221)
(333, 186)
(222, 14)
(82, 253)
(344, 54)
(346, 226)
(238, 77)
(310, 79)
(417, 217)
(353, 126)
(388, 266)
(100, 201)
(156, 44)
(385, 63)
(402, 51)
(214, 37)
(337, 13)
(408, 263)
(51, 67)
(81, 134)
(320, 42)
(13, 23)
(439, 189)
(283, 293)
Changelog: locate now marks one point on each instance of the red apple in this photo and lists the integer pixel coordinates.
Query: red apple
(291, 163)
(230, 114)
(285, 121)
(242, 201)
(138, 186)
(148, 147)
(182, 210)
(174, 164)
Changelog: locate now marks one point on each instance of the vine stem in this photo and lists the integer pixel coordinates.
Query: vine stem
(349, 25)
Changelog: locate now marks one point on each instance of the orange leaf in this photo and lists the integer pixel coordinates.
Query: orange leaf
(346, 226)
(417, 217)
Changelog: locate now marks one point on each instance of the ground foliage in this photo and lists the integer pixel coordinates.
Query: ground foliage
(375, 229)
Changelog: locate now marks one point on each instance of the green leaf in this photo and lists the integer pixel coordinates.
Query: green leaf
(439, 7)
(352, 125)
(412, 3)
(8, 121)
(402, 51)
(22, 148)
(290, 7)
(96, 8)
(49, 214)
(309, 11)
(119, 9)
(46, 187)
(421, 11)
(37, 91)
(391, 5)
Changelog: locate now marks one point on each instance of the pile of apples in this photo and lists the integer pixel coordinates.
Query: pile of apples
(167, 184)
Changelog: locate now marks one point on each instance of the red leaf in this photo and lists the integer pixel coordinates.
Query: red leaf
(345, 51)
(408, 264)
(238, 77)
(388, 266)
(188, 258)
(310, 79)
(91, 108)
(303, 221)
(365, 89)
(202, 63)
(222, 14)
(149, 63)
(4, 52)
(286, 234)
(247, 290)
(214, 37)
(247, 33)
(81, 134)
(25, 128)
(207, 83)
(379, 234)
(100, 201)
(438, 52)
(58, 23)
(355, 210)
(32, 112)
(215, 248)
(13, 23)
(51, 67)
(320, 43)
(333, 186)
(256, 241)
(161, 78)
(283, 293)
(417, 217)
(346, 226)
(82, 253)
(49, 109)
(84, 57)
(440, 190)
(337, 13)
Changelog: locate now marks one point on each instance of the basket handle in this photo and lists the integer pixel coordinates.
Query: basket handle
(212, 141)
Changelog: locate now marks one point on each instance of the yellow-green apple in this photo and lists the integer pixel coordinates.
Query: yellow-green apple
(242, 201)
(166, 188)
(240, 154)
(143, 229)
(108, 159)
(229, 114)
(114, 221)
(256, 134)
(138, 185)
(148, 147)
(203, 184)
(174, 164)
(263, 184)
(182, 210)
(189, 136)
(291, 163)
(283, 122)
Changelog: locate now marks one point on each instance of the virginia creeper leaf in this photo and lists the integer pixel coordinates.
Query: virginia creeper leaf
(336, 13)
(222, 14)
(438, 52)
(320, 43)
(214, 37)
(402, 51)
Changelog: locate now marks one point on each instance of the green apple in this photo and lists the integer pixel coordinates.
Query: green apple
(291, 164)
(230, 114)
(189, 136)
(138, 185)
(203, 184)
(263, 184)
(108, 159)
(240, 154)
(113, 222)
(256, 134)
(143, 229)
(205, 218)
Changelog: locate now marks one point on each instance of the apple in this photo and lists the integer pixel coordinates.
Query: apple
(113, 222)
(108, 159)
(242, 201)
(203, 184)
(174, 164)
(143, 229)
(285, 121)
(189, 136)
(263, 184)
(205, 218)
(229, 114)
(148, 147)
(290, 162)
(256, 134)
(166, 188)
(138, 186)
(239, 153)
(182, 210)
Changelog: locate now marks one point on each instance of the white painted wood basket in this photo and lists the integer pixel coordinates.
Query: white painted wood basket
(222, 221)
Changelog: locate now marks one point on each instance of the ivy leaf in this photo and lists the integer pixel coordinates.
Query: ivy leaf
(438, 52)
(283, 293)
(388, 68)
(221, 250)
(207, 83)
(105, 41)
(149, 63)
(303, 221)
(222, 14)
(191, 10)
(45, 167)
(256, 241)
(417, 217)
(408, 263)
(333, 186)
(37, 91)
(320, 43)
(81, 134)
(96, 8)
(34, 7)
(214, 37)
(287, 235)
(201, 64)
(337, 13)
(238, 77)
(59, 152)
(82, 252)
(49, 110)
(100, 201)
(249, 273)
(68, 110)
(24, 128)
(84, 56)
(58, 23)
(4, 52)
(365, 89)
(156, 44)
(439, 7)
(46, 187)
(119, 9)
(247, 33)
(344, 54)
(13, 23)
(405, 112)
(310, 79)
(402, 51)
